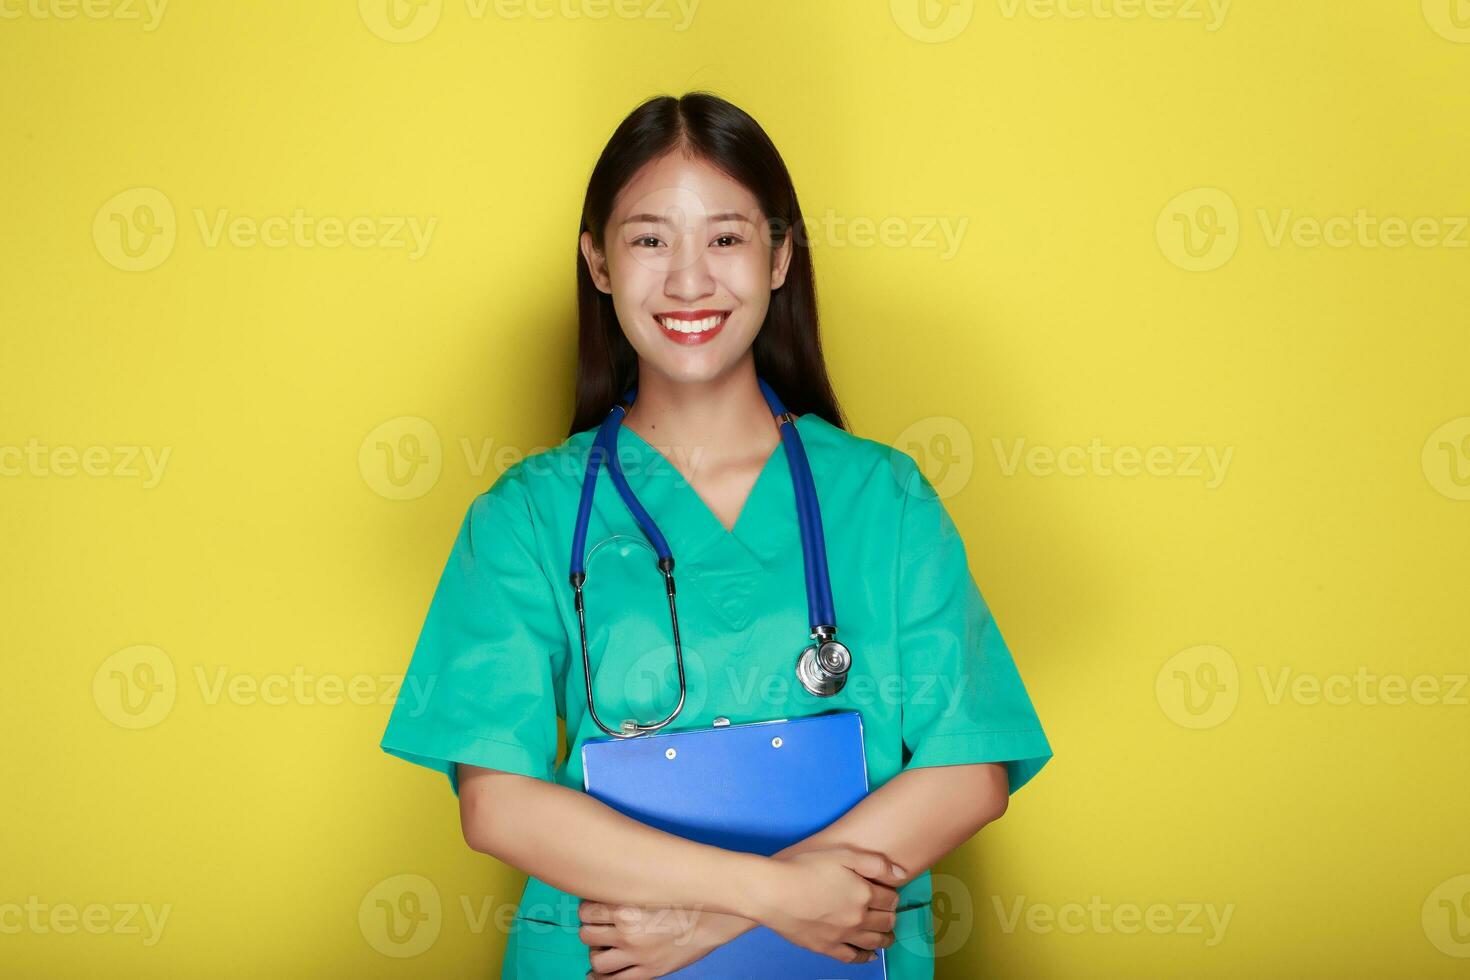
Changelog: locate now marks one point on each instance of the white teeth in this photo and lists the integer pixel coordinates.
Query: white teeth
(692, 326)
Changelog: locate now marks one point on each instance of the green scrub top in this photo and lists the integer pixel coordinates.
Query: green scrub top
(498, 660)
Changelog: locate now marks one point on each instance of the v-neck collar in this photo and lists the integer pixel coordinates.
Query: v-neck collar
(697, 522)
(728, 564)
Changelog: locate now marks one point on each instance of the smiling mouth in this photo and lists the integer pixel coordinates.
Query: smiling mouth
(682, 325)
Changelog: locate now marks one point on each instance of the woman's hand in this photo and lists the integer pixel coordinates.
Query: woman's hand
(838, 901)
(652, 942)
(642, 943)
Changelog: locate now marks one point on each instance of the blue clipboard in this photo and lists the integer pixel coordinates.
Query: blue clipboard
(755, 787)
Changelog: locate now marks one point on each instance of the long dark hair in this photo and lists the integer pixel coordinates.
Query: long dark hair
(787, 351)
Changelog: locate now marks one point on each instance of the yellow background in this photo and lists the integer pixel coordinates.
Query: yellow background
(1074, 151)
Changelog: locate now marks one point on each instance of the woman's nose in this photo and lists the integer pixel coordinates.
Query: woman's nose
(689, 276)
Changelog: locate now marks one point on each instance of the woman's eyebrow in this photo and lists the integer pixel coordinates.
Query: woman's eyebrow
(658, 219)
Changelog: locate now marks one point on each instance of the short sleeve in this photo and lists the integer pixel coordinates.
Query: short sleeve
(964, 701)
(480, 687)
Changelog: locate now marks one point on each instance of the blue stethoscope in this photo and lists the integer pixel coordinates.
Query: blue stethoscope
(821, 667)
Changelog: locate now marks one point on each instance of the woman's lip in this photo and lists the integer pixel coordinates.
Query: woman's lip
(693, 339)
(692, 315)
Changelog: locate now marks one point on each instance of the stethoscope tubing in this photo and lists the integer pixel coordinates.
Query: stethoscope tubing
(809, 523)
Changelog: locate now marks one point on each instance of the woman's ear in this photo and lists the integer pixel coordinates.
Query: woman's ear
(596, 263)
(781, 261)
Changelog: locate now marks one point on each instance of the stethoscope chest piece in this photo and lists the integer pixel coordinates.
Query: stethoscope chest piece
(822, 667)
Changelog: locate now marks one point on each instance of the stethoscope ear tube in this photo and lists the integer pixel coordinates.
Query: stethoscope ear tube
(821, 668)
(809, 519)
(605, 445)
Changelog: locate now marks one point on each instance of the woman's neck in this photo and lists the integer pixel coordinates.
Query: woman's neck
(722, 421)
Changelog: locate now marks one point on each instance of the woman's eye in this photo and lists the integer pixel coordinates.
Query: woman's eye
(652, 241)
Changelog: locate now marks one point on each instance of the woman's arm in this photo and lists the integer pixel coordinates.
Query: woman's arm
(823, 900)
(915, 818)
(580, 845)
(920, 815)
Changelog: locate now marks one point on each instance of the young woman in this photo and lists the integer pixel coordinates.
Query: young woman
(695, 284)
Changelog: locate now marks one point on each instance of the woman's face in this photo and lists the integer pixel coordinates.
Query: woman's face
(689, 264)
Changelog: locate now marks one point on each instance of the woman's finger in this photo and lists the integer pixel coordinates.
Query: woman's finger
(869, 940)
(610, 960)
(594, 935)
(882, 897)
(879, 920)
